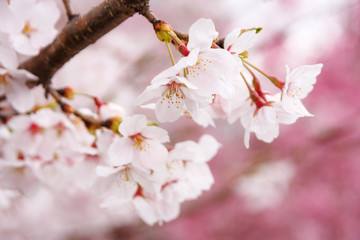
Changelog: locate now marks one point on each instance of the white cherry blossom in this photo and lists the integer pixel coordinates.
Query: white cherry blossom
(207, 68)
(239, 41)
(153, 210)
(189, 172)
(13, 81)
(175, 96)
(140, 145)
(38, 20)
(299, 83)
(191, 84)
(10, 21)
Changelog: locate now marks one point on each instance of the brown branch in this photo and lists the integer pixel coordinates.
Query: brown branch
(79, 33)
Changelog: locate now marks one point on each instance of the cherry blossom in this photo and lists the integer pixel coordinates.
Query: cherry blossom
(191, 84)
(13, 81)
(140, 145)
(86, 152)
(46, 148)
(238, 42)
(188, 169)
(299, 83)
(175, 95)
(262, 120)
(207, 68)
(267, 185)
(10, 20)
(38, 25)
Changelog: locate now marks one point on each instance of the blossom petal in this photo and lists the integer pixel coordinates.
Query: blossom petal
(201, 34)
(103, 171)
(303, 77)
(156, 133)
(238, 42)
(149, 93)
(169, 109)
(10, 21)
(19, 96)
(8, 57)
(121, 152)
(132, 125)
(151, 157)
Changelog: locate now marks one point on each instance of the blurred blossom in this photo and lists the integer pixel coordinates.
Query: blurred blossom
(266, 186)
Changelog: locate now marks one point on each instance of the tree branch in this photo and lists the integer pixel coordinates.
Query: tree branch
(79, 33)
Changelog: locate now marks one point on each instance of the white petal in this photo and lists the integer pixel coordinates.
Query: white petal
(145, 210)
(201, 34)
(294, 106)
(132, 125)
(239, 43)
(152, 157)
(22, 44)
(19, 96)
(209, 147)
(149, 93)
(121, 152)
(8, 57)
(189, 60)
(304, 77)
(103, 171)
(169, 109)
(199, 175)
(10, 21)
(156, 133)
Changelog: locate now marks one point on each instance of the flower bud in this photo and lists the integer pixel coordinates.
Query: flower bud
(67, 92)
(162, 30)
(113, 124)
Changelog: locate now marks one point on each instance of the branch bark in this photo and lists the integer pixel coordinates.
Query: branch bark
(79, 33)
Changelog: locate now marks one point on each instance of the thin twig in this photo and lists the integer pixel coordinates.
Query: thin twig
(89, 121)
(68, 10)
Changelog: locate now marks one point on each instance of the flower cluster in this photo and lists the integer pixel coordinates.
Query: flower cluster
(126, 161)
(136, 170)
(130, 168)
(25, 27)
(211, 82)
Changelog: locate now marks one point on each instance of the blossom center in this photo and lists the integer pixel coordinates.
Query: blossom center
(4, 79)
(174, 95)
(294, 92)
(34, 129)
(200, 67)
(28, 29)
(139, 142)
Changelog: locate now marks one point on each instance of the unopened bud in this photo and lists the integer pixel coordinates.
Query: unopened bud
(162, 30)
(113, 123)
(67, 108)
(151, 123)
(244, 54)
(67, 92)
